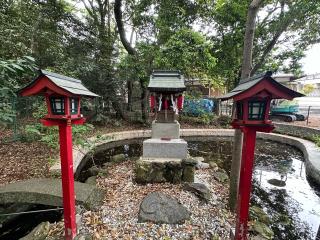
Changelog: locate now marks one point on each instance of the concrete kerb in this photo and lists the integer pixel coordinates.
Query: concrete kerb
(310, 150)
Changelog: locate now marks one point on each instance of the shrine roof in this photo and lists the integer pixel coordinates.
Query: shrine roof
(166, 81)
(248, 83)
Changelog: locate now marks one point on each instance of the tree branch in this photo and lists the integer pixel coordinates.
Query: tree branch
(90, 10)
(121, 30)
(272, 43)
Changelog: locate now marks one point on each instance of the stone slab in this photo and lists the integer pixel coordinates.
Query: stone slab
(158, 148)
(165, 130)
(49, 192)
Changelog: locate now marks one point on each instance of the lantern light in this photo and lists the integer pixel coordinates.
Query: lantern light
(74, 103)
(257, 109)
(57, 105)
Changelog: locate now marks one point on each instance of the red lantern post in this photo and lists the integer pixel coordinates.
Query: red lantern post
(252, 99)
(63, 101)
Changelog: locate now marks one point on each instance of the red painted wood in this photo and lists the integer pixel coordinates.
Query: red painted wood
(265, 85)
(165, 104)
(43, 85)
(79, 106)
(249, 140)
(57, 122)
(152, 102)
(67, 106)
(65, 137)
(48, 104)
(180, 102)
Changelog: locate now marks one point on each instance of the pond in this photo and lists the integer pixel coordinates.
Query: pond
(280, 186)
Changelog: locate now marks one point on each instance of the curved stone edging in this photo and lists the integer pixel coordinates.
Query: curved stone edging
(310, 151)
(296, 131)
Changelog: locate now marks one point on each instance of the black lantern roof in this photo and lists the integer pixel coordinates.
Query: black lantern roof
(166, 81)
(248, 83)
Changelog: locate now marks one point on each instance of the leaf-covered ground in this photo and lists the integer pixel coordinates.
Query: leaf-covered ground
(118, 217)
(23, 160)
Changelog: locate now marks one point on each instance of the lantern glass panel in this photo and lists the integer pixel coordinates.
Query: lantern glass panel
(57, 105)
(74, 103)
(256, 110)
(239, 109)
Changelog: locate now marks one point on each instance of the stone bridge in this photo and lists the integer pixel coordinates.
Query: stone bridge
(49, 192)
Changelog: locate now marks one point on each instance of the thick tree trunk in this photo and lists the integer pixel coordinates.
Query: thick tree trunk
(144, 105)
(245, 73)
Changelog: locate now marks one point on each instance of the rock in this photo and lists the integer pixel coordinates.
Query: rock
(173, 172)
(93, 171)
(40, 232)
(106, 165)
(277, 182)
(263, 230)
(188, 174)
(221, 176)
(199, 159)
(91, 180)
(149, 172)
(199, 189)
(213, 165)
(163, 170)
(202, 165)
(188, 166)
(189, 162)
(159, 208)
(103, 172)
(257, 213)
(118, 158)
(78, 221)
(83, 237)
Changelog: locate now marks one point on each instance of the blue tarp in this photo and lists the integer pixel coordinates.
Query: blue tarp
(197, 107)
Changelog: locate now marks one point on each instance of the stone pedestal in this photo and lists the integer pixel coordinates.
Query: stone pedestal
(165, 130)
(158, 148)
(164, 156)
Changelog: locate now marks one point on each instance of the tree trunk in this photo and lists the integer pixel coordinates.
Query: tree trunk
(130, 88)
(245, 73)
(144, 105)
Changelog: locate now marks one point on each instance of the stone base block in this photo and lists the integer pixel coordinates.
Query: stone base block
(165, 130)
(157, 170)
(158, 148)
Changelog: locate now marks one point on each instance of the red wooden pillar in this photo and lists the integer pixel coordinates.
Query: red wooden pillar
(65, 136)
(249, 141)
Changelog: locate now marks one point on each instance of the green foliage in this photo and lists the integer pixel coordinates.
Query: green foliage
(316, 139)
(307, 89)
(203, 39)
(50, 135)
(12, 76)
(190, 52)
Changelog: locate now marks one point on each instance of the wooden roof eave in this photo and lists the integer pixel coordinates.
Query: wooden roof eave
(39, 84)
(277, 90)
